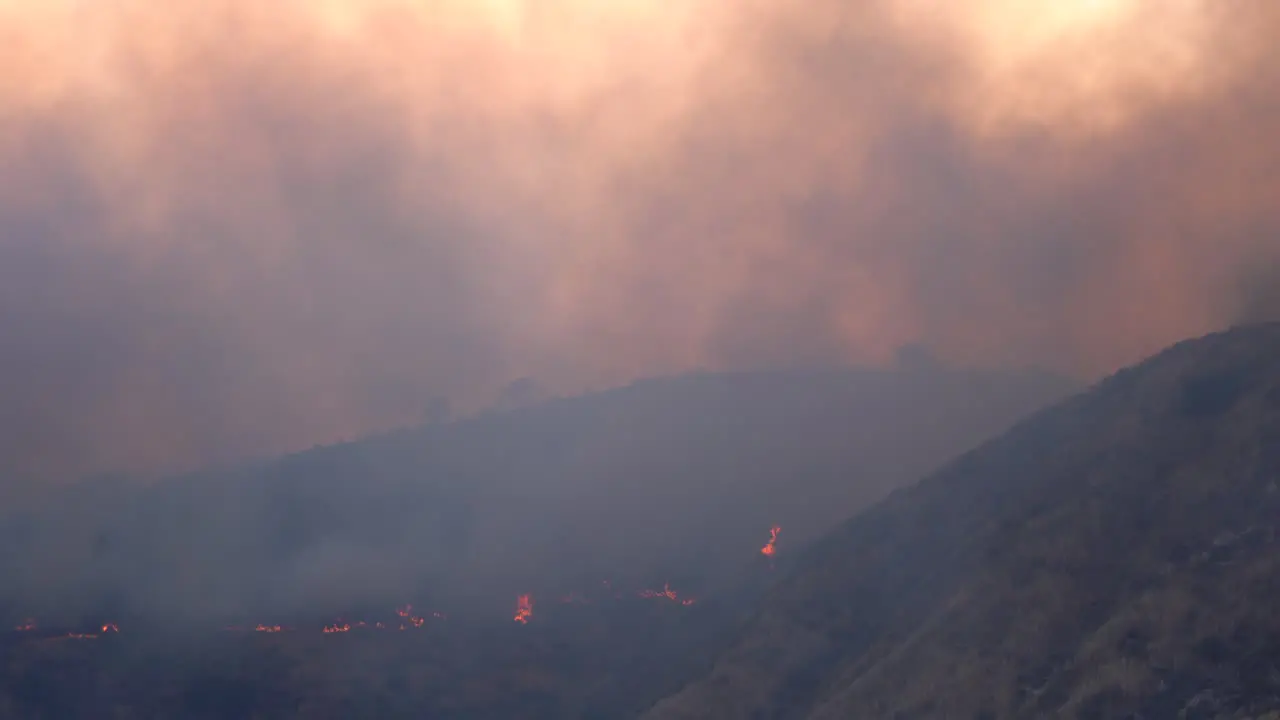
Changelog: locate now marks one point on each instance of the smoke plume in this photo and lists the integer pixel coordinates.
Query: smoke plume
(230, 227)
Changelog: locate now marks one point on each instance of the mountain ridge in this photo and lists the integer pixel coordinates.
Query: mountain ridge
(983, 590)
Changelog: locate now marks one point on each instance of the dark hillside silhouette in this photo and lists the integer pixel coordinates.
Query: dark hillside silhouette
(1115, 556)
(667, 485)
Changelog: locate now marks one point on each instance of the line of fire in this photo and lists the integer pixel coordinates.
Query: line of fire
(406, 618)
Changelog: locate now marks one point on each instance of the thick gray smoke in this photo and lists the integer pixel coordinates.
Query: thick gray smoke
(230, 229)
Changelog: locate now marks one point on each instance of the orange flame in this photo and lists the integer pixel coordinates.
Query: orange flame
(667, 592)
(410, 620)
(769, 549)
(524, 609)
(406, 613)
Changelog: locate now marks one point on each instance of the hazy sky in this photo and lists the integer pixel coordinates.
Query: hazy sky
(231, 227)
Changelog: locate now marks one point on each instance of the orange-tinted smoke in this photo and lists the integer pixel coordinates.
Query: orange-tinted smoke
(611, 190)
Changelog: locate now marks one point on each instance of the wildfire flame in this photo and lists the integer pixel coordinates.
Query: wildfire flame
(769, 549)
(524, 612)
(406, 613)
(524, 609)
(667, 593)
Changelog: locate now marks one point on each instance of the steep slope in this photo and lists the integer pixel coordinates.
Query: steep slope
(1115, 556)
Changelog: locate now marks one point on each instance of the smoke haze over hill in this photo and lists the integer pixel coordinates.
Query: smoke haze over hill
(230, 228)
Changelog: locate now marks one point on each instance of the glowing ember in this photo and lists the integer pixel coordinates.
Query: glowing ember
(410, 620)
(524, 609)
(667, 592)
(769, 549)
(406, 613)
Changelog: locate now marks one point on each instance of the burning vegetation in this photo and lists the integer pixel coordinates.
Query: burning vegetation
(668, 594)
(524, 609)
(408, 619)
(770, 547)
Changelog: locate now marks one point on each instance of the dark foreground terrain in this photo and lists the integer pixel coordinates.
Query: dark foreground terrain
(580, 661)
(1114, 557)
(634, 520)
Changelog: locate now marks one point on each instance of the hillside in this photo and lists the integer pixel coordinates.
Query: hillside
(591, 505)
(656, 481)
(1115, 556)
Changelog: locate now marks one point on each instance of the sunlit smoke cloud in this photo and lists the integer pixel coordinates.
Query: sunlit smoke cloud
(231, 227)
